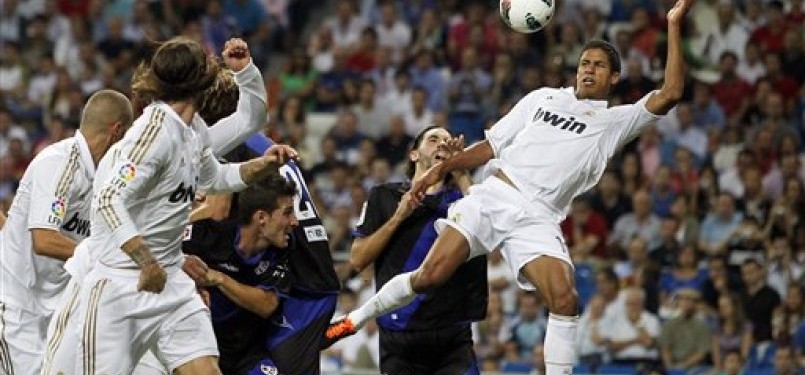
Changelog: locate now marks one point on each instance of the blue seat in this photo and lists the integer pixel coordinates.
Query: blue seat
(759, 372)
(582, 370)
(616, 370)
(516, 367)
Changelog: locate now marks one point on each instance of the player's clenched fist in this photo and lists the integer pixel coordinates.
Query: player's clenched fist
(236, 54)
(152, 278)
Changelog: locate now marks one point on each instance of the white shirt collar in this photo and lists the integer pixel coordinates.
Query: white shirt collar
(86, 155)
(598, 104)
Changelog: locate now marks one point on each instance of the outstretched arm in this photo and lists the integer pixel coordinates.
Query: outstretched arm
(671, 91)
(471, 158)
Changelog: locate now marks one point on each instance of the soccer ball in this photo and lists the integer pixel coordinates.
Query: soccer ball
(526, 16)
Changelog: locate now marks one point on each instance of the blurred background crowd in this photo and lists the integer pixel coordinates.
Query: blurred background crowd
(689, 252)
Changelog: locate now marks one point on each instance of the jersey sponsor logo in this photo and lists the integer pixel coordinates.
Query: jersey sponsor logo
(315, 233)
(182, 194)
(262, 267)
(127, 172)
(553, 119)
(77, 225)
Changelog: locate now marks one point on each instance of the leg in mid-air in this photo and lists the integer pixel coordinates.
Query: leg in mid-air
(450, 251)
(555, 282)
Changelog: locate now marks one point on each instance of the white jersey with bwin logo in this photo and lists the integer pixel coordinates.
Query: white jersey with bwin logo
(554, 146)
(146, 184)
(53, 194)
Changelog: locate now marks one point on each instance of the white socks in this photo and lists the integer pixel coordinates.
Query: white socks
(393, 295)
(559, 344)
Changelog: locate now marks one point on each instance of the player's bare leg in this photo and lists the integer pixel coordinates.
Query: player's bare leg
(555, 281)
(207, 365)
(449, 252)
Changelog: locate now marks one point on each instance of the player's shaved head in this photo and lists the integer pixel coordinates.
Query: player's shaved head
(105, 108)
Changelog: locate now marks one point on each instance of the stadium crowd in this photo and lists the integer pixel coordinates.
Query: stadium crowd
(690, 251)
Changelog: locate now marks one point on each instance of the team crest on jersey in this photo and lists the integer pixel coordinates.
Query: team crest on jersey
(58, 208)
(127, 171)
(455, 217)
(262, 267)
(269, 370)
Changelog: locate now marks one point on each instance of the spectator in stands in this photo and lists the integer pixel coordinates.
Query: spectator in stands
(788, 165)
(728, 35)
(662, 195)
(467, 88)
(585, 230)
(770, 36)
(732, 364)
(345, 25)
(781, 82)
(751, 67)
(685, 340)
(731, 92)
(631, 338)
(631, 175)
(685, 175)
(608, 287)
(641, 222)
(754, 203)
(732, 333)
(746, 241)
(687, 228)
(393, 32)
(424, 73)
(417, 115)
(347, 136)
(395, 144)
(590, 344)
(528, 328)
(665, 253)
(372, 117)
(608, 199)
(707, 113)
(785, 362)
(719, 224)
(685, 274)
(635, 85)
(759, 300)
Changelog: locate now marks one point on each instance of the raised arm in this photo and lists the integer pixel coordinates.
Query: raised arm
(251, 112)
(674, 83)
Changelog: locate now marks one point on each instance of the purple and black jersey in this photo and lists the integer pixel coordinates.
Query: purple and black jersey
(461, 300)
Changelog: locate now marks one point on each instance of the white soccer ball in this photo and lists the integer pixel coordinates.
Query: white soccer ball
(527, 16)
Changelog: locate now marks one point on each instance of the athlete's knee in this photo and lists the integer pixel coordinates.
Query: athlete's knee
(564, 299)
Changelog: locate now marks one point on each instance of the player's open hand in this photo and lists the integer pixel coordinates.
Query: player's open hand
(236, 54)
(281, 153)
(431, 177)
(455, 145)
(152, 278)
(677, 13)
(195, 268)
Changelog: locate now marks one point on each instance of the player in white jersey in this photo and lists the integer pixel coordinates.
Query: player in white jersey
(49, 215)
(248, 115)
(552, 146)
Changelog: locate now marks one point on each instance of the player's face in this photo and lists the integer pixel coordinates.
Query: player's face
(594, 76)
(281, 221)
(432, 149)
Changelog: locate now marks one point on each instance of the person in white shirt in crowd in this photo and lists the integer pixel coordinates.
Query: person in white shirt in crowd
(632, 337)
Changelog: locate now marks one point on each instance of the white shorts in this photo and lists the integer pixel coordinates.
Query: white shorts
(116, 325)
(496, 214)
(64, 333)
(22, 340)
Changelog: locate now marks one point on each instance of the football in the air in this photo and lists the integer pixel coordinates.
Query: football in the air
(527, 16)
